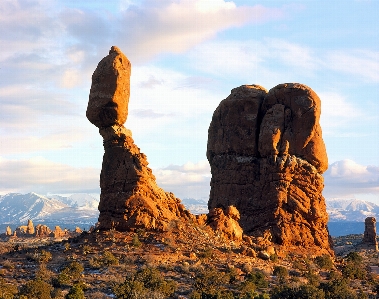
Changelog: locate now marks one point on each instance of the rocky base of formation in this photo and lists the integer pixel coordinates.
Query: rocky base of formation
(130, 197)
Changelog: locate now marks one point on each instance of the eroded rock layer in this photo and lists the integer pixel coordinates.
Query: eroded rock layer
(130, 197)
(267, 157)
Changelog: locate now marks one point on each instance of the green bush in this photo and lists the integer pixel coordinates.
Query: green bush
(324, 262)
(72, 272)
(338, 289)
(109, 259)
(257, 278)
(208, 283)
(354, 257)
(280, 272)
(135, 241)
(302, 292)
(142, 283)
(36, 289)
(76, 292)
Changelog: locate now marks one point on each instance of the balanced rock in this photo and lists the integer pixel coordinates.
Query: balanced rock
(369, 236)
(110, 89)
(130, 197)
(267, 157)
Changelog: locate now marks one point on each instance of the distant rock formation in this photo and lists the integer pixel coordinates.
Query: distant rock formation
(267, 157)
(8, 231)
(58, 232)
(130, 197)
(369, 236)
(25, 229)
(42, 231)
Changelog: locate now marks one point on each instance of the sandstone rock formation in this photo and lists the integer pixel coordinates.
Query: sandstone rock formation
(8, 231)
(369, 236)
(42, 231)
(30, 227)
(58, 232)
(130, 197)
(110, 89)
(267, 157)
(225, 222)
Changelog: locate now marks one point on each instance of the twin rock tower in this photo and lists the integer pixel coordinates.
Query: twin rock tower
(266, 153)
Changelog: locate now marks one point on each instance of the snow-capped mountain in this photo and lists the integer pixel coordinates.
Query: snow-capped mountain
(78, 200)
(196, 206)
(350, 210)
(17, 208)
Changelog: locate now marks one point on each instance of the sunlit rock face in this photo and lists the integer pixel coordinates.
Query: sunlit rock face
(267, 157)
(130, 197)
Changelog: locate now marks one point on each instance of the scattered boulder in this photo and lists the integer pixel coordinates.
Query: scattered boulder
(226, 222)
(263, 255)
(130, 197)
(369, 236)
(267, 157)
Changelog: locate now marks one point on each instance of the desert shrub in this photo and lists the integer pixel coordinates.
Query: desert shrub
(109, 259)
(274, 257)
(7, 264)
(7, 290)
(86, 249)
(302, 292)
(143, 284)
(106, 260)
(354, 268)
(208, 284)
(206, 253)
(71, 272)
(257, 278)
(324, 262)
(40, 257)
(354, 271)
(43, 273)
(76, 292)
(135, 241)
(36, 289)
(280, 272)
(313, 278)
(354, 257)
(338, 289)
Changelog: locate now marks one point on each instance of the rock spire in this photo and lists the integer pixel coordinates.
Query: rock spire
(130, 197)
(267, 156)
(369, 236)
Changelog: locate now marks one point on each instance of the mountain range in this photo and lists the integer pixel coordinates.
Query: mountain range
(81, 209)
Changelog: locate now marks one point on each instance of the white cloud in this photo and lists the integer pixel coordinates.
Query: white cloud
(190, 180)
(43, 176)
(361, 63)
(348, 179)
(167, 26)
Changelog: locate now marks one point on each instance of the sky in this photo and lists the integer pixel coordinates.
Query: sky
(186, 56)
